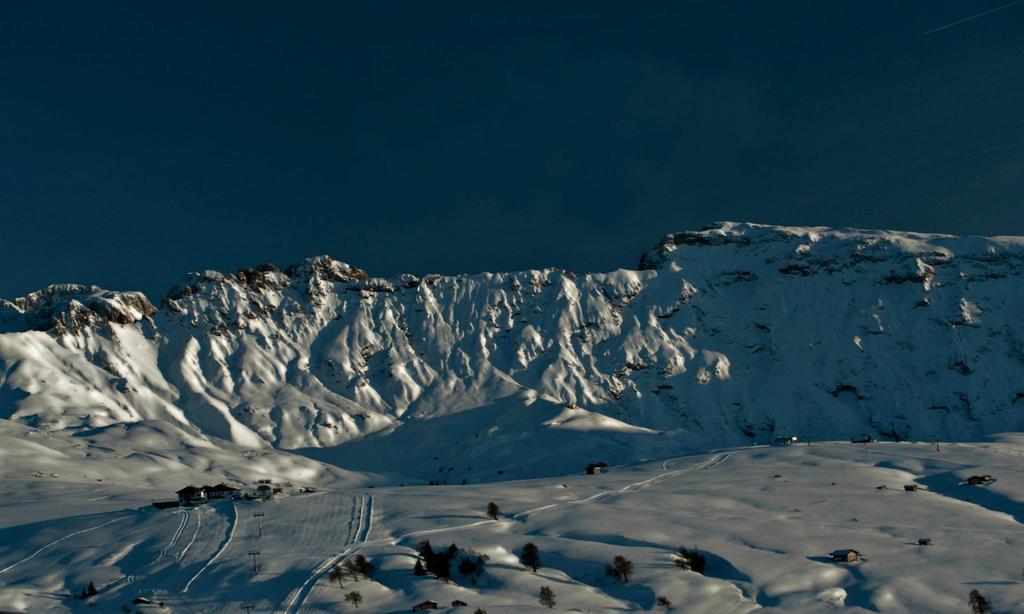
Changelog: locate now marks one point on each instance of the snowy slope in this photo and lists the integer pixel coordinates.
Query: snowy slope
(724, 336)
(766, 519)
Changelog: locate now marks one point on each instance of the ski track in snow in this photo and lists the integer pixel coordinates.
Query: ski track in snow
(223, 546)
(199, 523)
(117, 584)
(57, 541)
(710, 462)
(174, 538)
(406, 536)
(356, 539)
(130, 578)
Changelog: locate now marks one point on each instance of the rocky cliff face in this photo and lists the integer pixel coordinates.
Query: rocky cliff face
(728, 335)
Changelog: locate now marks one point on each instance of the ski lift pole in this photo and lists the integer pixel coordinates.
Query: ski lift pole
(254, 554)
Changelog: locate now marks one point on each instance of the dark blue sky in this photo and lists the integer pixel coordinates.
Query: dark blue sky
(139, 141)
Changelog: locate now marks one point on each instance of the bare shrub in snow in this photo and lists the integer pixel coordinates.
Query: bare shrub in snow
(547, 597)
(978, 603)
(337, 575)
(354, 598)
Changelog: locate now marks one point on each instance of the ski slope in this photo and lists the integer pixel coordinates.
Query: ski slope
(766, 518)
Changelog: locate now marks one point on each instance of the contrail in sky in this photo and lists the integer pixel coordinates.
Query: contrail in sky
(996, 148)
(972, 17)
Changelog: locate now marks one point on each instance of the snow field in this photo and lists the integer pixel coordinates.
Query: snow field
(766, 539)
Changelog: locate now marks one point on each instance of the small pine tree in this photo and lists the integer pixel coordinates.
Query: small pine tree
(437, 563)
(354, 598)
(441, 563)
(621, 568)
(337, 575)
(547, 597)
(493, 511)
(531, 556)
(426, 551)
(979, 604)
(663, 602)
(480, 611)
(90, 591)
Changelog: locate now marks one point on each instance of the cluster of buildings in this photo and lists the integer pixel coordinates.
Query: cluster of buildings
(197, 495)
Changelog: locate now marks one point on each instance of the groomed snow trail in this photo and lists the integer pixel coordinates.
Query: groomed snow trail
(356, 538)
(710, 462)
(405, 536)
(57, 541)
(223, 546)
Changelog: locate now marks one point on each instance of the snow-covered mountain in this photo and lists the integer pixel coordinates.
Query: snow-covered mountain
(723, 336)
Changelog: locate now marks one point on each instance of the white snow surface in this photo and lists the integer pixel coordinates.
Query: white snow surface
(765, 518)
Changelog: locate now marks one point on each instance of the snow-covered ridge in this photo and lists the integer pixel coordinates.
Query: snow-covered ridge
(68, 308)
(840, 246)
(724, 335)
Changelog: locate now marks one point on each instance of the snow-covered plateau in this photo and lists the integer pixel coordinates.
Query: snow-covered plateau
(407, 404)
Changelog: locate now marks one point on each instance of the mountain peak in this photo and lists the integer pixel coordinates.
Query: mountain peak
(327, 268)
(69, 308)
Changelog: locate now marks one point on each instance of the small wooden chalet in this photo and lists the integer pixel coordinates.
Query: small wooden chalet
(846, 555)
(458, 603)
(596, 468)
(423, 607)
